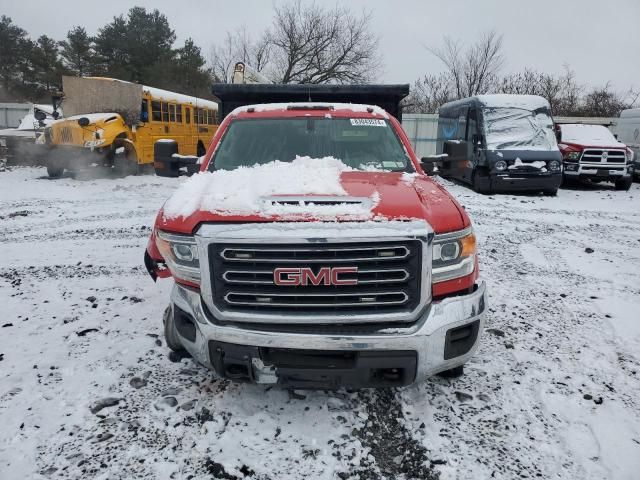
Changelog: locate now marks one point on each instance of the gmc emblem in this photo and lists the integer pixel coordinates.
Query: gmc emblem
(294, 277)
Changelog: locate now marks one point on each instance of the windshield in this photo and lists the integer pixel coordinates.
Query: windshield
(510, 128)
(587, 134)
(363, 144)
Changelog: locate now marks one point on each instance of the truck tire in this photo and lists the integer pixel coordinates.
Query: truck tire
(54, 171)
(552, 192)
(624, 183)
(480, 186)
(170, 333)
(452, 372)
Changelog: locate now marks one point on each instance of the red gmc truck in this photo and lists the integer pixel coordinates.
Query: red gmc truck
(312, 250)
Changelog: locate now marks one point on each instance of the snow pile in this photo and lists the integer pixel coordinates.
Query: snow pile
(354, 107)
(539, 164)
(247, 190)
(589, 135)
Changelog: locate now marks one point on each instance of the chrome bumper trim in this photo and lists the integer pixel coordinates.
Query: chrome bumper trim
(426, 337)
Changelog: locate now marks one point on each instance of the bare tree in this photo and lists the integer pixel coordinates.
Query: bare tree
(474, 69)
(428, 93)
(527, 82)
(314, 44)
(604, 102)
(238, 47)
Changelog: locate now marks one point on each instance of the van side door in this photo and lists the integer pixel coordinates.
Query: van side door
(456, 146)
(473, 144)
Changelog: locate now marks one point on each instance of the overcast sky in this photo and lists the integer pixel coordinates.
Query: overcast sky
(598, 39)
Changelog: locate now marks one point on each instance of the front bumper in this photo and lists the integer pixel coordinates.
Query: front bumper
(598, 171)
(430, 340)
(518, 181)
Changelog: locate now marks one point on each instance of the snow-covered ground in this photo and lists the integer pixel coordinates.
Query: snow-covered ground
(554, 391)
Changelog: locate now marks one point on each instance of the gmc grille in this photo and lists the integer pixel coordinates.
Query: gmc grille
(389, 277)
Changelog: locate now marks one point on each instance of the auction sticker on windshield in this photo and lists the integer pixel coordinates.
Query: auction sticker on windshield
(368, 122)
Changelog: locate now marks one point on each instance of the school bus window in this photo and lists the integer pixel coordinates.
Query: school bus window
(156, 114)
(179, 113)
(144, 111)
(210, 117)
(187, 114)
(165, 112)
(172, 112)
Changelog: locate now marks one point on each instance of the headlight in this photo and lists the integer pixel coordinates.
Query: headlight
(181, 254)
(630, 155)
(501, 165)
(454, 255)
(554, 165)
(572, 156)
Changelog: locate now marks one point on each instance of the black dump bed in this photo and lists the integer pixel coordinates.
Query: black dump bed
(231, 95)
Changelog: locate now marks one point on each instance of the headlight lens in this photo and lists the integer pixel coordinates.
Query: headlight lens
(181, 254)
(501, 165)
(554, 165)
(573, 156)
(454, 255)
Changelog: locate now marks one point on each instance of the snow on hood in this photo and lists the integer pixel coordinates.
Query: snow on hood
(263, 189)
(589, 135)
(93, 117)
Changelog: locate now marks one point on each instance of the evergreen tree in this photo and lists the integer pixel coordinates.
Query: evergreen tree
(191, 74)
(48, 68)
(129, 47)
(13, 46)
(77, 52)
(112, 50)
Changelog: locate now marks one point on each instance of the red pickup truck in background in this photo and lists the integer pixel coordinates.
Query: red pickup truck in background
(312, 250)
(592, 152)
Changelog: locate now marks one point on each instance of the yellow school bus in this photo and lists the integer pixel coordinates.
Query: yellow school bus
(115, 123)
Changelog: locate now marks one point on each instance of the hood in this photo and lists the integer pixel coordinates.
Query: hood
(365, 196)
(93, 118)
(591, 144)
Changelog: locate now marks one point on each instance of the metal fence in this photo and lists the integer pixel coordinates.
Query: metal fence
(12, 113)
(422, 130)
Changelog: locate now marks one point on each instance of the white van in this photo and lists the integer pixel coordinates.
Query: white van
(627, 129)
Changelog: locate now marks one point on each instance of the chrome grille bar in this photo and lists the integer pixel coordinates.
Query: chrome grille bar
(365, 299)
(292, 255)
(401, 276)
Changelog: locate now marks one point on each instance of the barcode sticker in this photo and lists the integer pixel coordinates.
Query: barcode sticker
(368, 122)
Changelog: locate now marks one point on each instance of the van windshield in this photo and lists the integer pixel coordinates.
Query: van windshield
(363, 144)
(510, 128)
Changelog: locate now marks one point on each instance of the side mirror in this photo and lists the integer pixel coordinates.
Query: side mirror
(615, 135)
(429, 164)
(167, 162)
(83, 122)
(40, 115)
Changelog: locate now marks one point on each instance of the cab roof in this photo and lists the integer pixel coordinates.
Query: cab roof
(313, 109)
